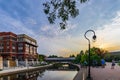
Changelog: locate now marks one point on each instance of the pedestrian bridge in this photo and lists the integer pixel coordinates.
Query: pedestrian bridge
(65, 66)
(59, 59)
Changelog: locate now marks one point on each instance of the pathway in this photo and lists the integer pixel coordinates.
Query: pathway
(106, 73)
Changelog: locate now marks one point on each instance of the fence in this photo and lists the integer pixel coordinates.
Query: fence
(7, 64)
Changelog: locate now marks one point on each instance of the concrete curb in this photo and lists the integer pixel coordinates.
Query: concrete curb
(15, 71)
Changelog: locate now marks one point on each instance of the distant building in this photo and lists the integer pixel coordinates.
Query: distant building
(19, 47)
(115, 53)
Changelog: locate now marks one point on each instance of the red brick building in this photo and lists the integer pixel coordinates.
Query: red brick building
(17, 46)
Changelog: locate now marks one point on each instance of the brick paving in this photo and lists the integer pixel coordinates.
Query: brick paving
(106, 73)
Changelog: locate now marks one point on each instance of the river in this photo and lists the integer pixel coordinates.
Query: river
(58, 75)
(43, 75)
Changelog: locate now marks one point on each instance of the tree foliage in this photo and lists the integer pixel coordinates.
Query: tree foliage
(99, 52)
(62, 10)
(41, 57)
(96, 54)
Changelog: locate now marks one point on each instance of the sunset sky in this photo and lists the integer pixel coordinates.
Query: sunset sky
(27, 17)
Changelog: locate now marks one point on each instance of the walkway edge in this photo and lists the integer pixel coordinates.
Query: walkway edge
(81, 75)
(14, 71)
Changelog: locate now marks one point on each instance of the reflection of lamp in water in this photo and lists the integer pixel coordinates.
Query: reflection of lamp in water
(94, 37)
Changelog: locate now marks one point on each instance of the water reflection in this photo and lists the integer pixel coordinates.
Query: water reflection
(52, 73)
(58, 75)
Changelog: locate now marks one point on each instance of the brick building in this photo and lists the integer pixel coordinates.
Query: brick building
(26, 47)
(19, 47)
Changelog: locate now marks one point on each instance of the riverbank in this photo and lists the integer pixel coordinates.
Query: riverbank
(23, 69)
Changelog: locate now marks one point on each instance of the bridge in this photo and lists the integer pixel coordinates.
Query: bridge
(57, 62)
(59, 59)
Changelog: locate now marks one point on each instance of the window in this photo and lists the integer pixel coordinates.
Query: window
(20, 39)
(1, 38)
(1, 50)
(2, 44)
(14, 39)
(20, 48)
(1, 47)
(20, 44)
(8, 50)
(13, 50)
(7, 43)
(7, 37)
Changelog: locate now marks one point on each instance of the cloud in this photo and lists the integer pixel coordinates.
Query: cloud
(54, 31)
(108, 35)
(14, 24)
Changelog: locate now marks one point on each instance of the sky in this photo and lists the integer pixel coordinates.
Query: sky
(27, 17)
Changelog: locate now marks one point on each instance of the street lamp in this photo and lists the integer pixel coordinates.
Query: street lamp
(94, 37)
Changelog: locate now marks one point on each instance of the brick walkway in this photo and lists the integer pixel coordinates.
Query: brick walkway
(106, 73)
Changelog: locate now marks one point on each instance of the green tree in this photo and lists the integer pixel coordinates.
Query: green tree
(98, 51)
(84, 58)
(41, 57)
(62, 10)
(77, 59)
(96, 54)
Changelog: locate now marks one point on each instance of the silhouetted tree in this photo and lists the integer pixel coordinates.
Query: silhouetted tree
(52, 56)
(72, 55)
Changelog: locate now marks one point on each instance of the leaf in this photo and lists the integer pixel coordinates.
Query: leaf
(61, 10)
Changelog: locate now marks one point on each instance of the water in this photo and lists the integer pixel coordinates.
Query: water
(42, 75)
(58, 75)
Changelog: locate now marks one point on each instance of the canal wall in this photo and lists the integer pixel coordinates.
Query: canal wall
(24, 69)
(81, 75)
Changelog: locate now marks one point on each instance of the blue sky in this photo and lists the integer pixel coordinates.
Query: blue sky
(27, 16)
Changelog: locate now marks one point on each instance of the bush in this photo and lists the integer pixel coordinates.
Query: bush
(119, 63)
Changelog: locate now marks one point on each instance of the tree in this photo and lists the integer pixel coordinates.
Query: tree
(62, 10)
(96, 54)
(84, 58)
(77, 59)
(98, 51)
(52, 56)
(72, 55)
(81, 52)
(41, 57)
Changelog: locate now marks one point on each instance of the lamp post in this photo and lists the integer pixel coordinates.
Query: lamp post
(89, 64)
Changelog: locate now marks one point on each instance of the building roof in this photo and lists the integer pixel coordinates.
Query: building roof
(26, 36)
(115, 53)
(7, 33)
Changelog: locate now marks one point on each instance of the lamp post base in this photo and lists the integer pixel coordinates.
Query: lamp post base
(89, 78)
